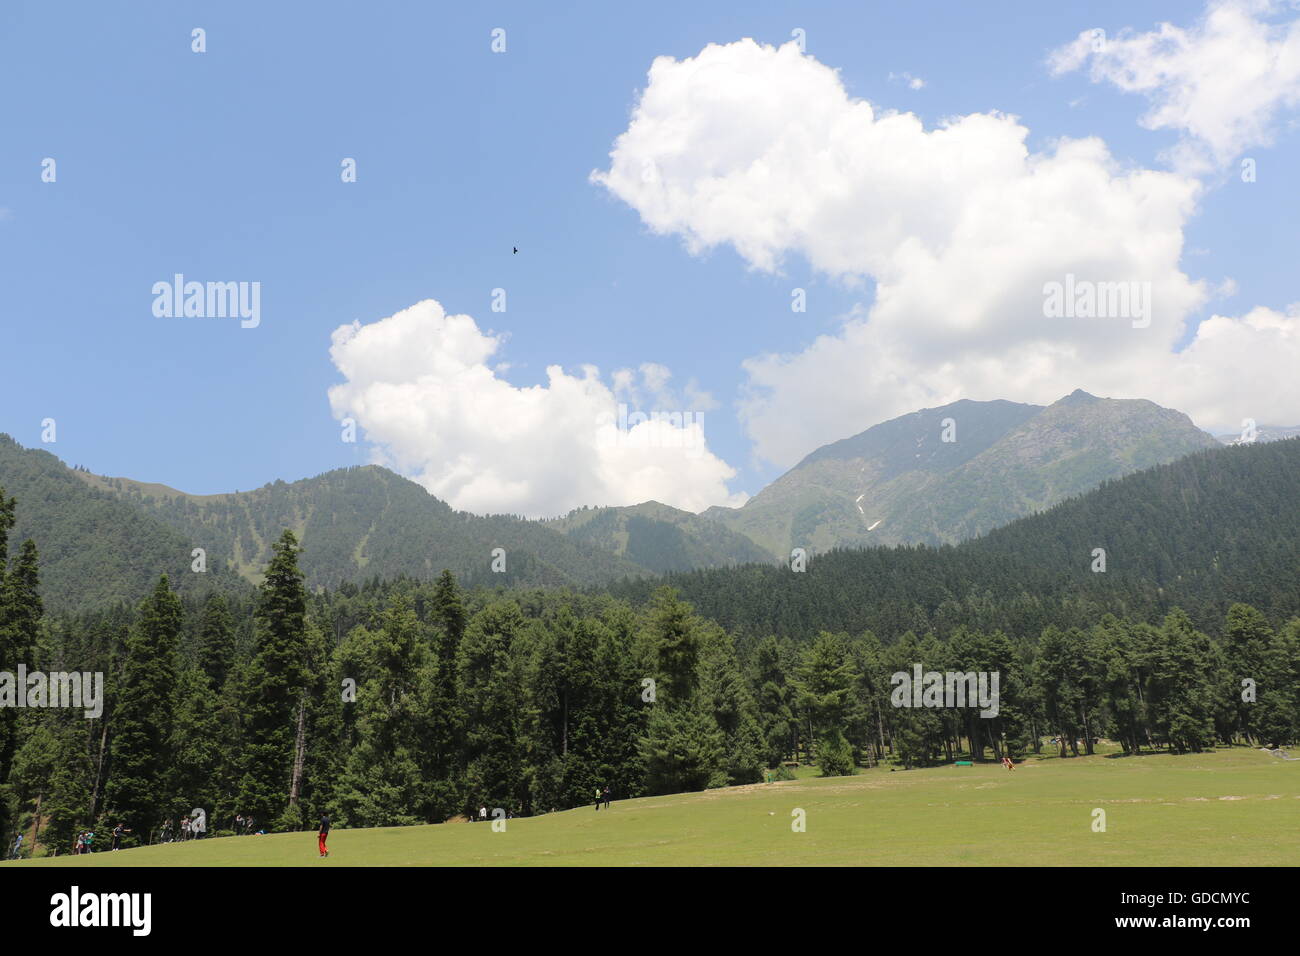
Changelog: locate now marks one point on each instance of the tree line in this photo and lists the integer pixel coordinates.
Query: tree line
(402, 702)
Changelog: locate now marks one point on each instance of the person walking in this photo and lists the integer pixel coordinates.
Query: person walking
(323, 835)
(598, 799)
(18, 848)
(606, 795)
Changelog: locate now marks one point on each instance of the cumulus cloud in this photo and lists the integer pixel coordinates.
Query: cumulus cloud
(1221, 83)
(961, 227)
(420, 385)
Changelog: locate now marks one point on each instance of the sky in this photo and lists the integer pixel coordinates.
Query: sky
(759, 231)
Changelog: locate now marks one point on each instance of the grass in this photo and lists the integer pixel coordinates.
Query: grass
(1233, 807)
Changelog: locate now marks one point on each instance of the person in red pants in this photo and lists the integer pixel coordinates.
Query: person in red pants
(323, 834)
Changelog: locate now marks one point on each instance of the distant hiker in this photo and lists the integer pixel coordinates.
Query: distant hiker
(90, 841)
(239, 823)
(606, 795)
(323, 834)
(18, 846)
(482, 813)
(117, 836)
(598, 799)
(1006, 762)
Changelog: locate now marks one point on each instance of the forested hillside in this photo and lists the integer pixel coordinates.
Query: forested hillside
(1201, 533)
(660, 538)
(95, 548)
(107, 538)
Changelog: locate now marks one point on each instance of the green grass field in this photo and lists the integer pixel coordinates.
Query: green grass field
(1234, 807)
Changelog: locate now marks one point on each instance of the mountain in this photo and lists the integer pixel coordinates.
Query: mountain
(935, 476)
(103, 539)
(942, 475)
(1213, 528)
(658, 537)
(95, 548)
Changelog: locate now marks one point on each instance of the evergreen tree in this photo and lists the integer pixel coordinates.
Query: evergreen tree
(726, 694)
(443, 757)
(1246, 641)
(827, 682)
(274, 684)
(683, 750)
(489, 676)
(140, 753)
(382, 784)
(216, 640)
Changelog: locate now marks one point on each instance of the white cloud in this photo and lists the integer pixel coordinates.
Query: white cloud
(1221, 83)
(420, 386)
(913, 82)
(960, 227)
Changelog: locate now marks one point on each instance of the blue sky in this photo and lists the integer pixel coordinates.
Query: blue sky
(225, 165)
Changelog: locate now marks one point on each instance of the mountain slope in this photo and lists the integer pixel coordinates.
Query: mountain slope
(106, 539)
(96, 549)
(659, 537)
(945, 474)
(367, 521)
(1212, 528)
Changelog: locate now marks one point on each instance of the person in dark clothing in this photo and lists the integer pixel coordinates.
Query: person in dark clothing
(605, 795)
(117, 836)
(323, 834)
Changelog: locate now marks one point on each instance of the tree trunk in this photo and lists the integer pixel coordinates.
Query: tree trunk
(99, 770)
(299, 755)
(36, 821)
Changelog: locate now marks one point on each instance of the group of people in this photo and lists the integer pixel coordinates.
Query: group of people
(190, 828)
(85, 841)
(244, 825)
(602, 796)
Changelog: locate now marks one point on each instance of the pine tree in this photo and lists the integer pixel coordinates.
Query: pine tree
(382, 784)
(683, 750)
(1246, 641)
(827, 681)
(274, 684)
(20, 616)
(199, 746)
(443, 757)
(140, 751)
(727, 696)
(489, 676)
(216, 653)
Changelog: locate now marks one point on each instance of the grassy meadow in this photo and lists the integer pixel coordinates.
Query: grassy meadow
(1232, 807)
